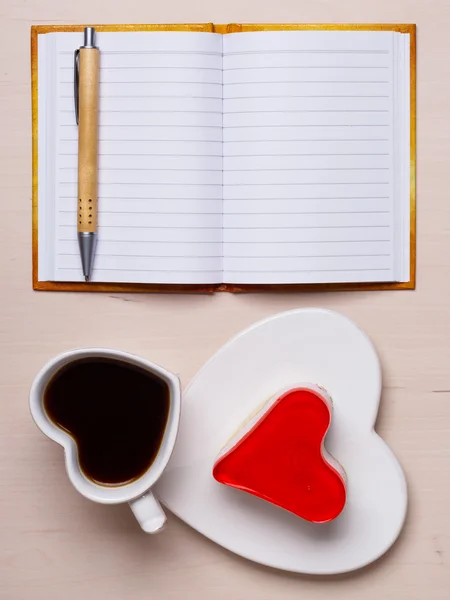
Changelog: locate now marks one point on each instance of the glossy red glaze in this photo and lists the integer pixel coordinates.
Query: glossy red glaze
(280, 459)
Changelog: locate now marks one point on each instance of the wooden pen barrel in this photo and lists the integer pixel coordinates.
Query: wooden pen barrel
(88, 139)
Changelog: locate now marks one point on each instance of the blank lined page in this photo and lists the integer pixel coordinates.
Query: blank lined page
(308, 157)
(160, 158)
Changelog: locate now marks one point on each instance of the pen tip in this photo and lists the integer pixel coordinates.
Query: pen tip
(86, 277)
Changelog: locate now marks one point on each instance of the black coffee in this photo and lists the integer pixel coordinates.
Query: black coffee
(115, 412)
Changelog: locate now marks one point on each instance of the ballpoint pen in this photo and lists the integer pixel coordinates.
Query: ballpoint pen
(86, 83)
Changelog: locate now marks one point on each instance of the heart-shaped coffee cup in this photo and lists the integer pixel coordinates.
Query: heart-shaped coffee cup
(137, 493)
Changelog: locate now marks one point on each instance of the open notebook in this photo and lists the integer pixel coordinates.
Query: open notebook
(227, 161)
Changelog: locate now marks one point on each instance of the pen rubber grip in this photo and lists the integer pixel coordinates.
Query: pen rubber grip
(88, 139)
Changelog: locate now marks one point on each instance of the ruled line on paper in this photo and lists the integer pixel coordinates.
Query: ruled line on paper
(258, 68)
(263, 257)
(305, 96)
(245, 242)
(317, 198)
(306, 169)
(228, 155)
(232, 257)
(148, 169)
(140, 125)
(297, 227)
(161, 183)
(235, 170)
(147, 140)
(232, 214)
(149, 154)
(299, 110)
(73, 197)
(144, 52)
(151, 82)
(147, 270)
(143, 241)
(150, 227)
(302, 81)
(292, 213)
(148, 96)
(147, 67)
(230, 112)
(309, 183)
(292, 126)
(154, 255)
(238, 228)
(324, 51)
(307, 154)
(155, 212)
(313, 269)
(315, 241)
(148, 111)
(296, 140)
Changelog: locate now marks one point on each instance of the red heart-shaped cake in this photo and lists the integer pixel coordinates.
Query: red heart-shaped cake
(279, 456)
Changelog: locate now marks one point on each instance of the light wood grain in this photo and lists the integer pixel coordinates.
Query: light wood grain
(53, 543)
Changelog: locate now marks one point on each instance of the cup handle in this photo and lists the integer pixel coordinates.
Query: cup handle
(149, 513)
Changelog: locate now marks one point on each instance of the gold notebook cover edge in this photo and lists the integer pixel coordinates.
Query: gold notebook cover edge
(224, 29)
(34, 151)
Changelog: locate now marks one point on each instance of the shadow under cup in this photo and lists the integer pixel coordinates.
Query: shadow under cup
(116, 416)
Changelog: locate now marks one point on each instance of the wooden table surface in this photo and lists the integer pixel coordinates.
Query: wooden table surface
(54, 544)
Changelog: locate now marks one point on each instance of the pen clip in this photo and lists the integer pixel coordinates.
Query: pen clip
(76, 80)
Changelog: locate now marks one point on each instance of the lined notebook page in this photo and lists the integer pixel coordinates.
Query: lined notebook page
(160, 158)
(308, 157)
